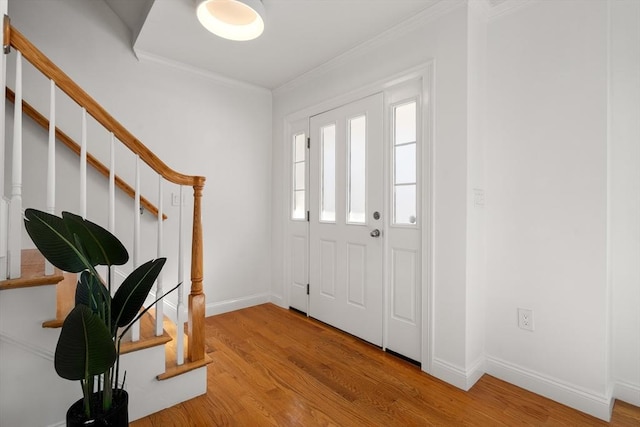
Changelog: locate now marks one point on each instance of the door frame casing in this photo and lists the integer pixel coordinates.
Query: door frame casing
(426, 73)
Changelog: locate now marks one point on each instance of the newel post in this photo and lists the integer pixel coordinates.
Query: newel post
(196, 331)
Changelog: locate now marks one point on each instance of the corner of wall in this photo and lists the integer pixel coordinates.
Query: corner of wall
(457, 376)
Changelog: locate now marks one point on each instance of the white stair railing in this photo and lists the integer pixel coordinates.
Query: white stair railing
(135, 329)
(11, 210)
(160, 254)
(51, 162)
(15, 207)
(83, 166)
(180, 310)
(4, 204)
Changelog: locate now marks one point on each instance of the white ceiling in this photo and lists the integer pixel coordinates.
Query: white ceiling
(299, 35)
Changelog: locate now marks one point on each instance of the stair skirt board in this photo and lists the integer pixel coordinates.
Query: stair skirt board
(27, 351)
(31, 371)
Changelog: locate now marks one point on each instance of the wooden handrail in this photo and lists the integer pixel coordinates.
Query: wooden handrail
(41, 120)
(13, 38)
(75, 92)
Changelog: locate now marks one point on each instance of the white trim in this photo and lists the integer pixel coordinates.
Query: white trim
(210, 75)
(58, 424)
(457, 376)
(627, 392)
(598, 405)
(609, 309)
(236, 304)
(378, 86)
(27, 346)
(428, 15)
(428, 214)
(278, 300)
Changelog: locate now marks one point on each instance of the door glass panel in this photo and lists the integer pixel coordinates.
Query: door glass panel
(405, 123)
(405, 204)
(298, 205)
(328, 173)
(404, 164)
(357, 170)
(299, 176)
(299, 173)
(299, 147)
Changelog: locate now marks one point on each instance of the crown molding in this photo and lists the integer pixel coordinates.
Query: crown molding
(428, 15)
(144, 56)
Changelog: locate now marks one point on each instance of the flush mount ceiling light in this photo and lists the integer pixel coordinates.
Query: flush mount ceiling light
(232, 19)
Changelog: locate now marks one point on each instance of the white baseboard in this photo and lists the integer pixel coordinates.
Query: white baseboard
(457, 376)
(626, 392)
(278, 300)
(599, 406)
(237, 304)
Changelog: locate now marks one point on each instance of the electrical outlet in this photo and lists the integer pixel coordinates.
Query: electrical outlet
(525, 319)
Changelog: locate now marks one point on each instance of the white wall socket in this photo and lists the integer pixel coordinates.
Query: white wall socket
(525, 319)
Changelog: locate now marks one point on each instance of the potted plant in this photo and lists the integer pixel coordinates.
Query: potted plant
(88, 348)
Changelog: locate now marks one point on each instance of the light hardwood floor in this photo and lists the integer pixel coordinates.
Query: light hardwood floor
(274, 367)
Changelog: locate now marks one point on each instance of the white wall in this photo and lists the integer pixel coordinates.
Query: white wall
(443, 39)
(547, 172)
(196, 124)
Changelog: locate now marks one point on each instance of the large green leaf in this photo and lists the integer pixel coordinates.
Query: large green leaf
(100, 246)
(72, 243)
(85, 347)
(54, 241)
(134, 290)
(91, 292)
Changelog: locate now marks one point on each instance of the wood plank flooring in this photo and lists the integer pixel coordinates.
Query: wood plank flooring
(275, 367)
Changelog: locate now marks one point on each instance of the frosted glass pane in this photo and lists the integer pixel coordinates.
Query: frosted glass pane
(299, 176)
(404, 204)
(328, 193)
(405, 164)
(298, 205)
(405, 123)
(299, 147)
(357, 172)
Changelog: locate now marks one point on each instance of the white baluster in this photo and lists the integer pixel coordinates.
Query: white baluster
(15, 208)
(4, 206)
(112, 197)
(135, 329)
(4, 233)
(51, 162)
(159, 290)
(180, 310)
(112, 185)
(83, 166)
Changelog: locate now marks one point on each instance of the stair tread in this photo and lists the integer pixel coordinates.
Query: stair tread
(172, 369)
(148, 336)
(32, 272)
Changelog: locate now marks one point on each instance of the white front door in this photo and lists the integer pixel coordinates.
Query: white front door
(346, 218)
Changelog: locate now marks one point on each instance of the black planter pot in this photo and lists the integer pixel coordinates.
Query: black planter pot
(117, 416)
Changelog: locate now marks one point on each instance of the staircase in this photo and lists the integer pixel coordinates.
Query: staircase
(164, 365)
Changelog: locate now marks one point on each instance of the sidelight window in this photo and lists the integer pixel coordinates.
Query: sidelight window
(404, 164)
(299, 175)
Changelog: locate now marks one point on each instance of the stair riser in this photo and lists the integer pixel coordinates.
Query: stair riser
(22, 312)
